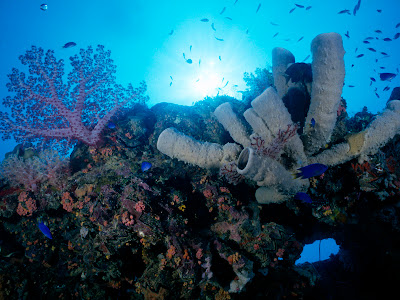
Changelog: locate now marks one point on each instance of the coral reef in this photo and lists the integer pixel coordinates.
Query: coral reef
(268, 116)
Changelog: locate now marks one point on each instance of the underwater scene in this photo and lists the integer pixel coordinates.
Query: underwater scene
(216, 149)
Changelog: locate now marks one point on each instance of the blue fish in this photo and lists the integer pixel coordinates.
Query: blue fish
(46, 231)
(311, 171)
(303, 197)
(43, 7)
(387, 76)
(111, 125)
(145, 166)
(312, 122)
(69, 45)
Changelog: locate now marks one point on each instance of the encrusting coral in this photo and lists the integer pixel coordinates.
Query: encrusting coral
(268, 117)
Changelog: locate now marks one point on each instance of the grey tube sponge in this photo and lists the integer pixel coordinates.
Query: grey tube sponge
(281, 58)
(232, 124)
(269, 172)
(175, 144)
(328, 78)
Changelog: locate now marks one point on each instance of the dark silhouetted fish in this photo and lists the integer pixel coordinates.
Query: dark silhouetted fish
(275, 34)
(359, 55)
(300, 39)
(379, 10)
(384, 53)
(357, 7)
(172, 31)
(369, 38)
(372, 79)
(308, 7)
(347, 34)
(212, 26)
(274, 24)
(229, 18)
(351, 86)
(396, 36)
(69, 45)
(387, 76)
(218, 39)
(386, 88)
(258, 8)
(398, 25)
(222, 11)
(307, 57)
(204, 20)
(387, 39)
(292, 10)
(344, 11)
(371, 49)
(366, 42)
(299, 5)
(377, 94)
(378, 31)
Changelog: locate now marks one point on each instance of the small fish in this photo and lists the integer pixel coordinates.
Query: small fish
(398, 25)
(170, 83)
(198, 80)
(371, 49)
(308, 7)
(189, 61)
(258, 8)
(366, 42)
(344, 11)
(212, 26)
(387, 76)
(171, 32)
(145, 166)
(378, 31)
(229, 18)
(312, 124)
(396, 36)
(386, 88)
(372, 79)
(235, 2)
(43, 7)
(111, 125)
(299, 5)
(292, 10)
(387, 39)
(357, 7)
(222, 11)
(69, 45)
(351, 86)
(204, 20)
(382, 68)
(247, 31)
(359, 55)
(379, 10)
(190, 48)
(226, 84)
(311, 171)
(384, 53)
(272, 23)
(300, 39)
(347, 34)
(303, 197)
(45, 230)
(221, 40)
(377, 95)
(355, 51)
(307, 57)
(275, 34)
(171, 77)
(199, 62)
(369, 38)
(219, 57)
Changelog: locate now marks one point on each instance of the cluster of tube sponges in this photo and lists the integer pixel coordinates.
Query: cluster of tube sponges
(268, 115)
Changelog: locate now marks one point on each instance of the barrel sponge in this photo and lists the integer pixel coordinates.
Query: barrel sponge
(281, 58)
(231, 122)
(328, 78)
(175, 144)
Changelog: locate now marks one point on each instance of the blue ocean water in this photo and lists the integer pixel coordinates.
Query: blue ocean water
(148, 40)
